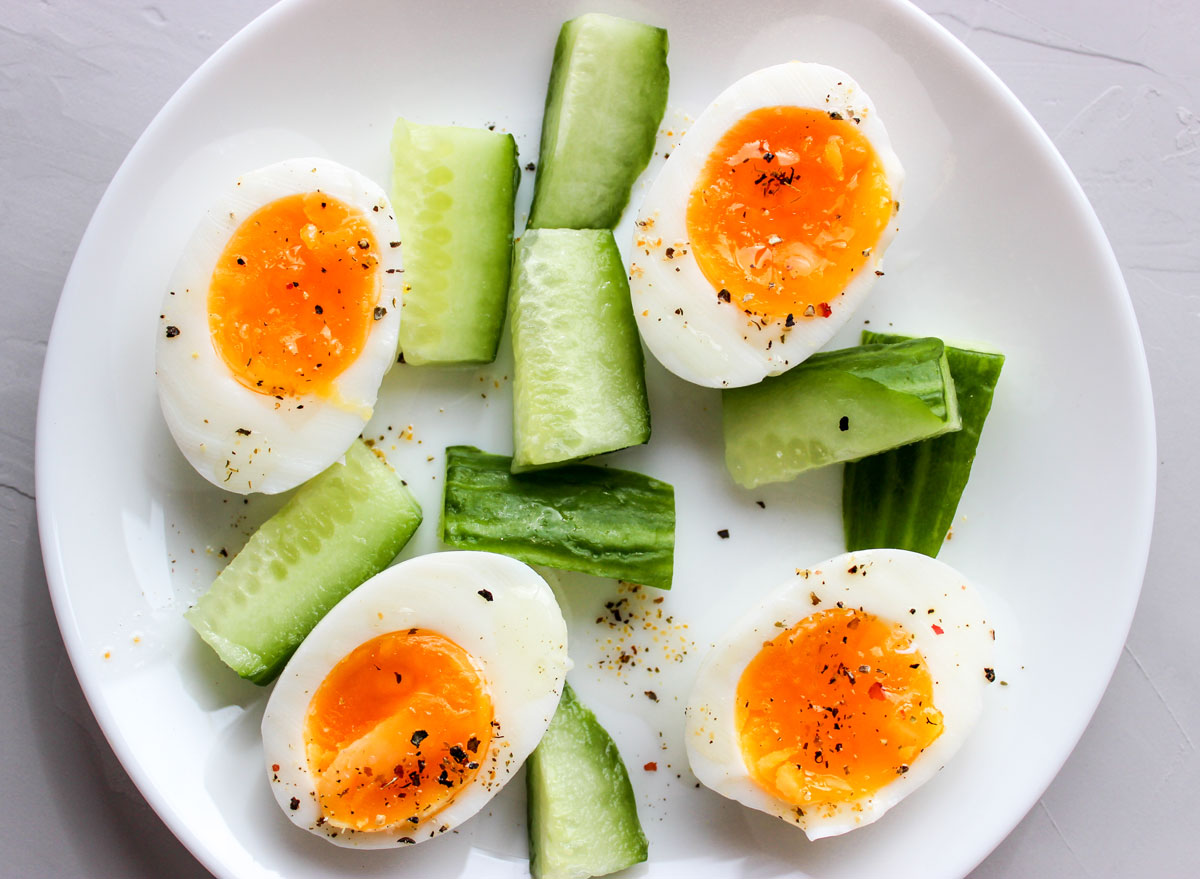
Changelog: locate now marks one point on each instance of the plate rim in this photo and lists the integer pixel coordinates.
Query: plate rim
(52, 548)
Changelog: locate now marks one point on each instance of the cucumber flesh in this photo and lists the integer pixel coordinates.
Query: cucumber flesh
(838, 406)
(338, 530)
(598, 520)
(579, 385)
(582, 812)
(453, 190)
(607, 94)
(906, 498)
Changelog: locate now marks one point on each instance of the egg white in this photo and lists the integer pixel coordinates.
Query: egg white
(236, 438)
(894, 585)
(517, 638)
(687, 328)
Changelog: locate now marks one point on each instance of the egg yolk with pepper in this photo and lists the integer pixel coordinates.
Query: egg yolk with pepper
(396, 729)
(294, 293)
(835, 708)
(788, 206)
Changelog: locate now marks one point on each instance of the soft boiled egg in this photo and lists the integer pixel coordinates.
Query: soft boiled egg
(279, 324)
(766, 226)
(843, 691)
(415, 699)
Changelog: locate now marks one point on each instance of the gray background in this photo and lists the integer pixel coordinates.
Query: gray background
(1114, 83)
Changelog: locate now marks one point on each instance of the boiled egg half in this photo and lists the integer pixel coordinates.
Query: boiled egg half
(279, 324)
(766, 227)
(415, 699)
(843, 691)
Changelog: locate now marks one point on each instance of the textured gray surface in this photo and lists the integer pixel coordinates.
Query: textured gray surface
(1116, 88)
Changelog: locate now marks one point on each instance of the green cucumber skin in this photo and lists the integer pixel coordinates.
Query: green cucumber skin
(887, 395)
(583, 817)
(906, 498)
(579, 382)
(454, 193)
(606, 97)
(597, 520)
(337, 531)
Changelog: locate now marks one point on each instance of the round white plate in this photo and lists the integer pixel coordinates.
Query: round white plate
(997, 245)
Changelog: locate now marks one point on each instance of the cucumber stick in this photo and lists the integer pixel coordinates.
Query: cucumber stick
(906, 498)
(579, 384)
(598, 520)
(607, 94)
(453, 190)
(339, 529)
(583, 817)
(838, 406)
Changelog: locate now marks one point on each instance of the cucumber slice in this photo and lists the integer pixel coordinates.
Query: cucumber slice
(453, 190)
(583, 817)
(838, 406)
(906, 498)
(598, 520)
(607, 94)
(579, 385)
(338, 530)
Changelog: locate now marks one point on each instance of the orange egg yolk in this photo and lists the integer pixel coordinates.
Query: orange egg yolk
(786, 211)
(835, 708)
(294, 294)
(398, 727)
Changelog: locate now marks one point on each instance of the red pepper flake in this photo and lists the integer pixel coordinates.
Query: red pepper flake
(938, 630)
(274, 767)
(651, 767)
(824, 308)
(876, 691)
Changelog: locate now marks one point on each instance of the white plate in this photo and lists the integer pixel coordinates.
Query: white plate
(997, 245)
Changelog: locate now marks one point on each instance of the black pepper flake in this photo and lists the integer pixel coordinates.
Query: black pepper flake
(240, 261)
(364, 244)
(459, 755)
(834, 115)
(790, 321)
(472, 744)
(761, 504)
(844, 423)
(723, 295)
(990, 674)
(399, 677)
(652, 696)
(530, 167)
(902, 768)
(172, 332)
(243, 431)
(407, 840)
(768, 157)
(294, 804)
(318, 309)
(670, 252)
(418, 737)
(487, 596)
(380, 311)
(723, 534)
